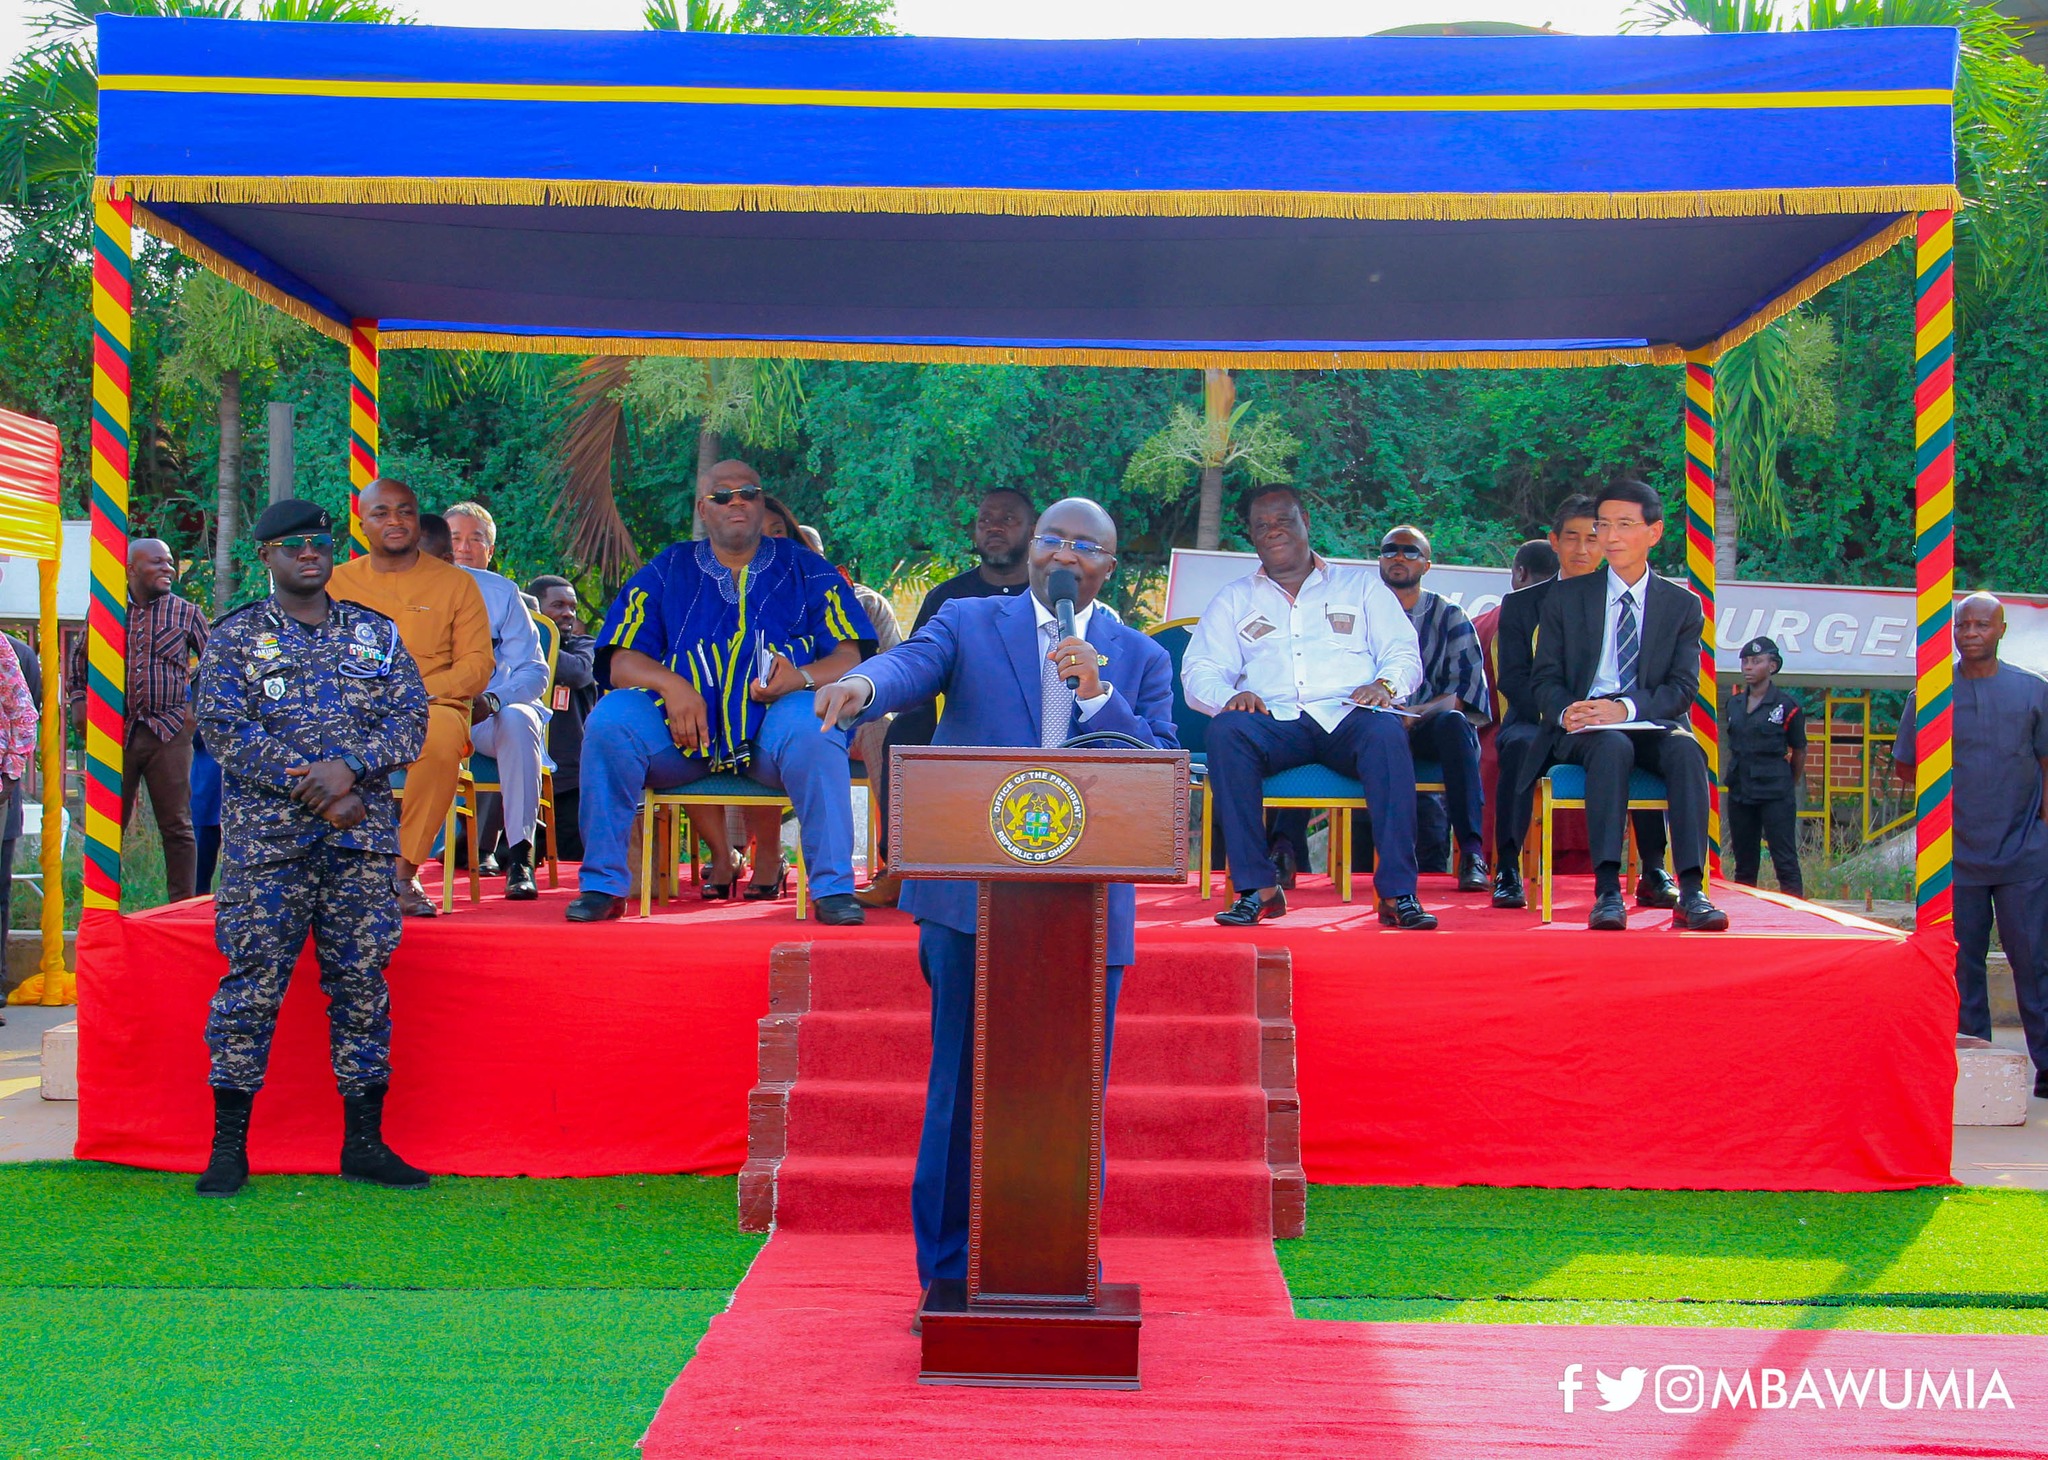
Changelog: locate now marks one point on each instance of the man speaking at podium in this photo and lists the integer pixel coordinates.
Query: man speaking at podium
(1005, 669)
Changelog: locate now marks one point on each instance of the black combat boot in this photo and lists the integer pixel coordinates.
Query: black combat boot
(227, 1169)
(364, 1156)
(519, 883)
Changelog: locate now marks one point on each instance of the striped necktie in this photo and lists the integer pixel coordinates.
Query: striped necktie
(1627, 645)
(1056, 701)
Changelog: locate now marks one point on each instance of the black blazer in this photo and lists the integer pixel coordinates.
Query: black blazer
(1571, 630)
(1514, 651)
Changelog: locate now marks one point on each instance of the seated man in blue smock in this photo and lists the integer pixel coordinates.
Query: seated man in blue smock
(1004, 670)
(682, 651)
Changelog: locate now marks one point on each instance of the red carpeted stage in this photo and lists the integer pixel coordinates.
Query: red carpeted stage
(1800, 1050)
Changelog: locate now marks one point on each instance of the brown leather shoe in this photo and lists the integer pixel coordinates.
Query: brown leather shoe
(882, 892)
(413, 901)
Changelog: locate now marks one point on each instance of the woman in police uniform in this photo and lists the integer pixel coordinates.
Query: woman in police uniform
(1766, 745)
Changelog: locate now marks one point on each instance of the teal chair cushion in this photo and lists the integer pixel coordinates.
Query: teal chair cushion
(1568, 783)
(1308, 782)
(1428, 773)
(723, 784)
(483, 770)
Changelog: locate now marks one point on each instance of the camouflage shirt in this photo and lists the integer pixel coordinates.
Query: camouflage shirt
(275, 695)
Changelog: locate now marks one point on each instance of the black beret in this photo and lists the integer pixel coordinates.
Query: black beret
(1762, 645)
(281, 519)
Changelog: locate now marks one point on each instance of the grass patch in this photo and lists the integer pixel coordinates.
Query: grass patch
(311, 1317)
(1926, 1261)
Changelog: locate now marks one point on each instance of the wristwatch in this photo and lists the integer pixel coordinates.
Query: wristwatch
(493, 701)
(355, 764)
(810, 679)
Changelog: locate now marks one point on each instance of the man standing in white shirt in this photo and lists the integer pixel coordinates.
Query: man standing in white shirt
(1300, 663)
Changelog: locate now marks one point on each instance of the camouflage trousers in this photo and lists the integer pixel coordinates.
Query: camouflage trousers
(344, 898)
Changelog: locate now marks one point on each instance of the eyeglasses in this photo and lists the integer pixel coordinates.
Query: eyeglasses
(1092, 551)
(724, 495)
(1400, 550)
(322, 540)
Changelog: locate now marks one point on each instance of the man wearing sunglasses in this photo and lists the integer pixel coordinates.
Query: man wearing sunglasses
(712, 653)
(1302, 663)
(1003, 668)
(1452, 699)
(309, 705)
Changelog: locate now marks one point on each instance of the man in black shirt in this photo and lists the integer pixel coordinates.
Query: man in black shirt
(1002, 540)
(1766, 745)
(575, 693)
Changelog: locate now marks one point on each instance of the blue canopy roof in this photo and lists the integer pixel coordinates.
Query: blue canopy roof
(1528, 200)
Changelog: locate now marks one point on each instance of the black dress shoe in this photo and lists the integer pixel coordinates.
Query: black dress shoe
(1609, 916)
(1249, 910)
(1471, 872)
(1507, 887)
(1696, 915)
(595, 907)
(1284, 868)
(840, 910)
(519, 883)
(1656, 889)
(2041, 1086)
(1406, 913)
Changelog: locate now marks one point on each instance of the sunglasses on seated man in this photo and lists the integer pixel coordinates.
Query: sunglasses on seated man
(1400, 550)
(299, 542)
(722, 496)
(1093, 551)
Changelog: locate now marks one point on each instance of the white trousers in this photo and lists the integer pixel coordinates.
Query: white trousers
(516, 738)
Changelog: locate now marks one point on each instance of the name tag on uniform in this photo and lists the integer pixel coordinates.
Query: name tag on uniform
(367, 655)
(1255, 628)
(561, 697)
(1341, 620)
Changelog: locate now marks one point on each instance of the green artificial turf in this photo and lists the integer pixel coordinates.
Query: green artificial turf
(314, 1318)
(1932, 1260)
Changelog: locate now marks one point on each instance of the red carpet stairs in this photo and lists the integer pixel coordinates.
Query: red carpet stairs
(1203, 1126)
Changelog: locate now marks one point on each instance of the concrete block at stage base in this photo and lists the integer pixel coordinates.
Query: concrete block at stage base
(60, 1061)
(1992, 1084)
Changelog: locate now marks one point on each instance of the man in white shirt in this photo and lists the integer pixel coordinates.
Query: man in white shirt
(1617, 666)
(509, 720)
(1300, 663)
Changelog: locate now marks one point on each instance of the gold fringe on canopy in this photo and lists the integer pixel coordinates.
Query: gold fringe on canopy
(234, 273)
(878, 353)
(1036, 203)
(1792, 298)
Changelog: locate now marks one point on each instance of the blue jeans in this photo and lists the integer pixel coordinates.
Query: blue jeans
(945, 1152)
(627, 748)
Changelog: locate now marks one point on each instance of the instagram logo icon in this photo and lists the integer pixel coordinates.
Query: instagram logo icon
(1681, 1389)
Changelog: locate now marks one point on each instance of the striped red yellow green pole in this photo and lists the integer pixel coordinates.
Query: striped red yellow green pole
(362, 422)
(1699, 571)
(1934, 557)
(106, 686)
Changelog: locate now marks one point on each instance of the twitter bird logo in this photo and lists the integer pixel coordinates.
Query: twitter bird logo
(1620, 1393)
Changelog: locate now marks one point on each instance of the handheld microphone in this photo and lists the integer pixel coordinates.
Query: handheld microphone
(1060, 586)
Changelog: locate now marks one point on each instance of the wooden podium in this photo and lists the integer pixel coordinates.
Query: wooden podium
(1043, 832)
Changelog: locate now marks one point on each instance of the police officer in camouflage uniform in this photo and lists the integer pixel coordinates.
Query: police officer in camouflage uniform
(309, 705)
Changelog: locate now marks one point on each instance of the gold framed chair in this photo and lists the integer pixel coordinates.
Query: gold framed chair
(1563, 788)
(661, 820)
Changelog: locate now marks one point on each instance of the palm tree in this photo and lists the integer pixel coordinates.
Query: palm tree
(1221, 438)
(1768, 389)
(227, 334)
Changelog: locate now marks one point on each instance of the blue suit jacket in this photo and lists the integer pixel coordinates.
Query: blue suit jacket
(983, 655)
